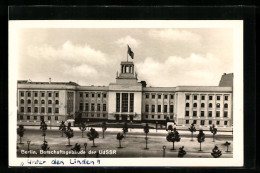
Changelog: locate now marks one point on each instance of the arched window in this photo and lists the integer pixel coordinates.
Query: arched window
(57, 102)
(194, 105)
(187, 105)
(22, 101)
(218, 105)
(43, 102)
(35, 101)
(225, 105)
(210, 105)
(49, 102)
(29, 101)
(202, 105)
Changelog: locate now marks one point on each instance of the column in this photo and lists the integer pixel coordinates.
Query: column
(156, 103)
(128, 117)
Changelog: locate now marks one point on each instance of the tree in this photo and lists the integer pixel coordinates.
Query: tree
(201, 137)
(173, 137)
(119, 137)
(20, 132)
(43, 127)
(213, 130)
(170, 127)
(146, 131)
(45, 147)
(227, 145)
(92, 135)
(76, 148)
(62, 127)
(216, 152)
(182, 152)
(104, 128)
(69, 134)
(125, 128)
(192, 129)
(82, 128)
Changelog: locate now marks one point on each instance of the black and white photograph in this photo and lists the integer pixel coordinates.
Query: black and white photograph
(126, 93)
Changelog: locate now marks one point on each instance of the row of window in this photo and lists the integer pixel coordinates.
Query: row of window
(36, 94)
(42, 101)
(159, 96)
(195, 97)
(159, 108)
(158, 116)
(202, 113)
(41, 117)
(92, 108)
(36, 110)
(203, 105)
(93, 95)
(202, 122)
(97, 115)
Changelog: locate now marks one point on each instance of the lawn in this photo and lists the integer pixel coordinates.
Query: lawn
(133, 145)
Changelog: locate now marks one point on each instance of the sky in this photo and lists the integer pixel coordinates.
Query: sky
(164, 57)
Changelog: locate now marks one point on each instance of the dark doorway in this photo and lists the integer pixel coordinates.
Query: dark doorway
(124, 118)
(117, 117)
(131, 117)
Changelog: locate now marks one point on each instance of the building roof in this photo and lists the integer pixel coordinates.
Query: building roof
(56, 83)
(226, 80)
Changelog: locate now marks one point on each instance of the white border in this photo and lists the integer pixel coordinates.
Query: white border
(236, 25)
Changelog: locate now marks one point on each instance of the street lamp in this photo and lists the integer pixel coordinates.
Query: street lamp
(164, 147)
(28, 142)
(85, 145)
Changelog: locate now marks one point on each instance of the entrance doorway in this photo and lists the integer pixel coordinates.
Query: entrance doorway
(124, 118)
(117, 117)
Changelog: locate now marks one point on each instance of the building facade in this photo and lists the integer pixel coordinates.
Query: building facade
(126, 100)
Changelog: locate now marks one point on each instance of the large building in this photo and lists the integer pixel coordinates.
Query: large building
(126, 100)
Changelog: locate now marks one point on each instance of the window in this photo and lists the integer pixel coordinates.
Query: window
(93, 95)
(22, 109)
(210, 122)
(202, 105)
(56, 110)
(187, 97)
(56, 95)
(56, 102)
(35, 94)
(98, 107)
(226, 97)
(22, 101)
(29, 101)
(146, 116)
(165, 96)
(225, 123)
(49, 110)
(49, 102)
(92, 106)
(172, 96)
(217, 123)
(56, 118)
(187, 105)
(225, 114)
(187, 113)
(210, 97)
(171, 117)
(35, 109)
(202, 122)
(152, 116)
(86, 94)
(92, 115)
(195, 97)
(217, 113)
(35, 117)
(28, 117)
(202, 113)
(43, 101)
(131, 102)
(104, 107)
(147, 96)
(159, 96)
(49, 94)
(42, 109)
(86, 107)
(22, 94)
(98, 95)
(165, 108)
(210, 105)
(202, 97)
(117, 102)
(225, 105)
(187, 122)
(210, 113)
(80, 95)
(171, 108)
(194, 105)
(29, 94)
(194, 121)
(194, 113)
(42, 117)
(42, 94)
(49, 117)
(159, 108)
(98, 115)
(35, 101)
(159, 116)
(146, 108)
(153, 108)
(165, 116)
(80, 106)
(218, 97)
(21, 117)
(124, 102)
(104, 115)
(105, 95)
(218, 105)
(153, 96)
(29, 109)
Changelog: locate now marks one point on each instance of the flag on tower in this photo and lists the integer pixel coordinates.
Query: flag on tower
(130, 52)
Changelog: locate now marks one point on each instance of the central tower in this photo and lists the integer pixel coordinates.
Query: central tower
(127, 74)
